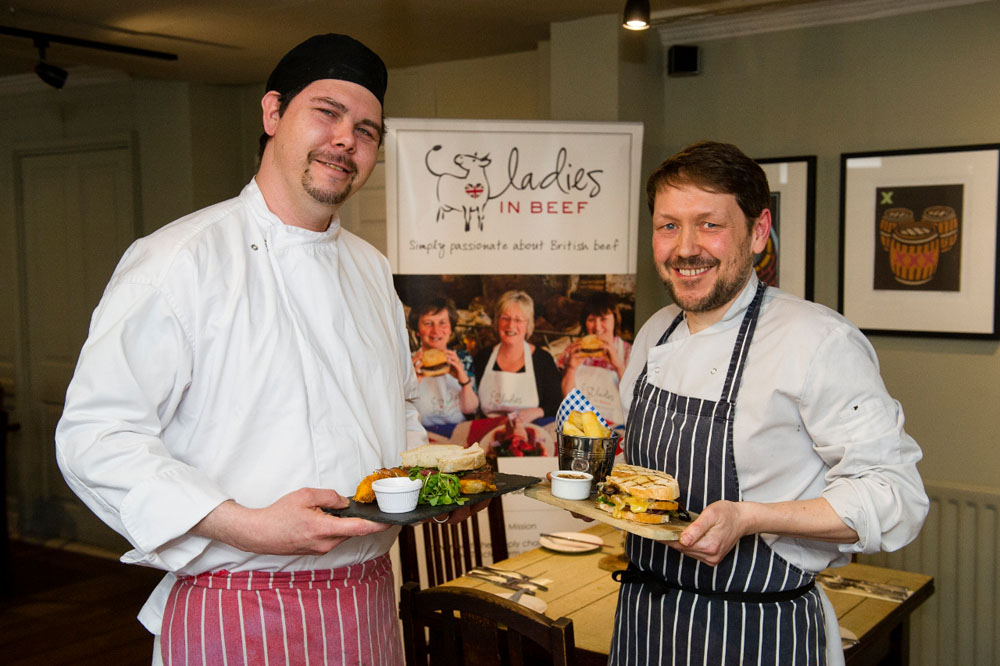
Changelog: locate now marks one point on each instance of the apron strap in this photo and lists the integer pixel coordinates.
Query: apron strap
(660, 586)
(742, 348)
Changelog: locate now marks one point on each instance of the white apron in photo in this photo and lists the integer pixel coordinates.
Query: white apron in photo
(438, 400)
(507, 391)
(600, 385)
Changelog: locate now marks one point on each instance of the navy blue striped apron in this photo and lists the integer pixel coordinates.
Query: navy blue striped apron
(753, 607)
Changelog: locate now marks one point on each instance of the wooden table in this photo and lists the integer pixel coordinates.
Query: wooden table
(581, 588)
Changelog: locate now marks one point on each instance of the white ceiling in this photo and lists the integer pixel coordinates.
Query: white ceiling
(238, 41)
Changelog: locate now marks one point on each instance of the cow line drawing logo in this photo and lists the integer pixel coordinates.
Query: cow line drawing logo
(467, 192)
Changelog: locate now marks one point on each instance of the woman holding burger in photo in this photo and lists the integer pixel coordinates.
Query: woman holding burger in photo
(595, 363)
(516, 377)
(447, 392)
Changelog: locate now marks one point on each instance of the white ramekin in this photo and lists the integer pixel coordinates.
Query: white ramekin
(571, 485)
(397, 494)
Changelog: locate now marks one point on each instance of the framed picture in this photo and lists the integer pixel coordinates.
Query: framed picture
(787, 261)
(918, 241)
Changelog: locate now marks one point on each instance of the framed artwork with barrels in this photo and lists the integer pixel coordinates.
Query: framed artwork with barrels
(918, 241)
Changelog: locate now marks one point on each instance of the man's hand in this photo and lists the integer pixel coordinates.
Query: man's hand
(713, 534)
(718, 528)
(461, 513)
(293, 525)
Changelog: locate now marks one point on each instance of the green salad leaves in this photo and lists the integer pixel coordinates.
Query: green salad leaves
(439, 488)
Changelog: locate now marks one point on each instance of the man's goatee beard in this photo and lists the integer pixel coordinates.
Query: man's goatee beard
(724, 291)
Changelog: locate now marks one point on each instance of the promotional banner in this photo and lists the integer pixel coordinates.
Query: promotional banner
(514, 197)
(513, 245)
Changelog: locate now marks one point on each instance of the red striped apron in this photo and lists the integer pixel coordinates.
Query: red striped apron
(252, 618)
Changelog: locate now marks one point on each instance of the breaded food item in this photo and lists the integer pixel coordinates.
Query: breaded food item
(364, 493)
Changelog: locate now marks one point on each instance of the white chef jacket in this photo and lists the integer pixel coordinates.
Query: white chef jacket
(813, 418)
(235, 357)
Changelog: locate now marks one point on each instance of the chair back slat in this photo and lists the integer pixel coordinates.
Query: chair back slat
(489, 630)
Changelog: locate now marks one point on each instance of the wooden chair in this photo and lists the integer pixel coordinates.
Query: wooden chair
(451, 550)
(469, 626)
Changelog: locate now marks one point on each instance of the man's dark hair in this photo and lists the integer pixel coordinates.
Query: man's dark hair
(433, 306)
(283, 100)
(721, 168)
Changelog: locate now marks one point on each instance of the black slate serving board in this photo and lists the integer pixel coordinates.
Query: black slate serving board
(505, 483)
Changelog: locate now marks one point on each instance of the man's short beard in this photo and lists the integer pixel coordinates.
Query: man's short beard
(722, 292)
(328, 197)
(324, 196)
(725, 289)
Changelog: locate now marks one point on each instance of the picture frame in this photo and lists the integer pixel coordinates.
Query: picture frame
(793, 222)
(918, 241)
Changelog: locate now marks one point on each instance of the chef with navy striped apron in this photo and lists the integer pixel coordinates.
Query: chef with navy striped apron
(753, 607)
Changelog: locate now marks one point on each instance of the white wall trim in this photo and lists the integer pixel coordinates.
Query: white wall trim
(708, 26)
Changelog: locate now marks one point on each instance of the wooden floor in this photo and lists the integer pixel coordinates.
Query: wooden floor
(60, 607)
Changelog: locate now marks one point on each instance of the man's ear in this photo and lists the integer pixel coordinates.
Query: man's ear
(270, 103)
(760, 231)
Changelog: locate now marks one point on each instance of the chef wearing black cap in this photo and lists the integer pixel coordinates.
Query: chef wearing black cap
(247, 365)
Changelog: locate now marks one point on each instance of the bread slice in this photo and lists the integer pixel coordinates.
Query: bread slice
(428, 454)
(448, 458)
(645, 483)
(469, 458)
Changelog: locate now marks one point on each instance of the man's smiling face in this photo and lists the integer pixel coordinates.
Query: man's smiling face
(703, 248)
(326, 142)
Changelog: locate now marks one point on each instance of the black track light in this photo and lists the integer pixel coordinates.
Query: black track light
(636, 14)
(51, 74)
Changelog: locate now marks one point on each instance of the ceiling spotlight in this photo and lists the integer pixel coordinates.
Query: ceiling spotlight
(636, 14)
(51, 74)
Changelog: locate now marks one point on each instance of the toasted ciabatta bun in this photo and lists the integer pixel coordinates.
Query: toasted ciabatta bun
(643, 482)
(638, 494)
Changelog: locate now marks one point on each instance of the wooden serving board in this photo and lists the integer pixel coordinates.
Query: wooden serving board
(666, 532)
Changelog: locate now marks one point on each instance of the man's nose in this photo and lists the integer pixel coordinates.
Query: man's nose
(688, 244)
(343, 135)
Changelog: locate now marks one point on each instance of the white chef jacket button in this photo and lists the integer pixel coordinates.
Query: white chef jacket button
(656, 370)
(714, 370)
(254, 247)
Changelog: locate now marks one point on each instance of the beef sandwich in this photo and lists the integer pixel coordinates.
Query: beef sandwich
(467, 463)
(590, 345)
(433, 362)
(640, 494)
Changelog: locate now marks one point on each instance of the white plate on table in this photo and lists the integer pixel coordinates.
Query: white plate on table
(526, 600)
(564, 546)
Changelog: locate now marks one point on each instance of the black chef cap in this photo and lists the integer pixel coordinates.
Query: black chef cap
(329, 56)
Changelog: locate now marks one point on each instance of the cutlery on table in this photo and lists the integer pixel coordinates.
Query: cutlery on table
(592, 544)
(508, 576)
(510, 585)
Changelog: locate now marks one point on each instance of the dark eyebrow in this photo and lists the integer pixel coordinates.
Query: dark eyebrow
(367, 122)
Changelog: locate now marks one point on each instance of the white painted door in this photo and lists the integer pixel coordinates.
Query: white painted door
(77, 217)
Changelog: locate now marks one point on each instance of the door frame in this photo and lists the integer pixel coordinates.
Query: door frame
(30, 485)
